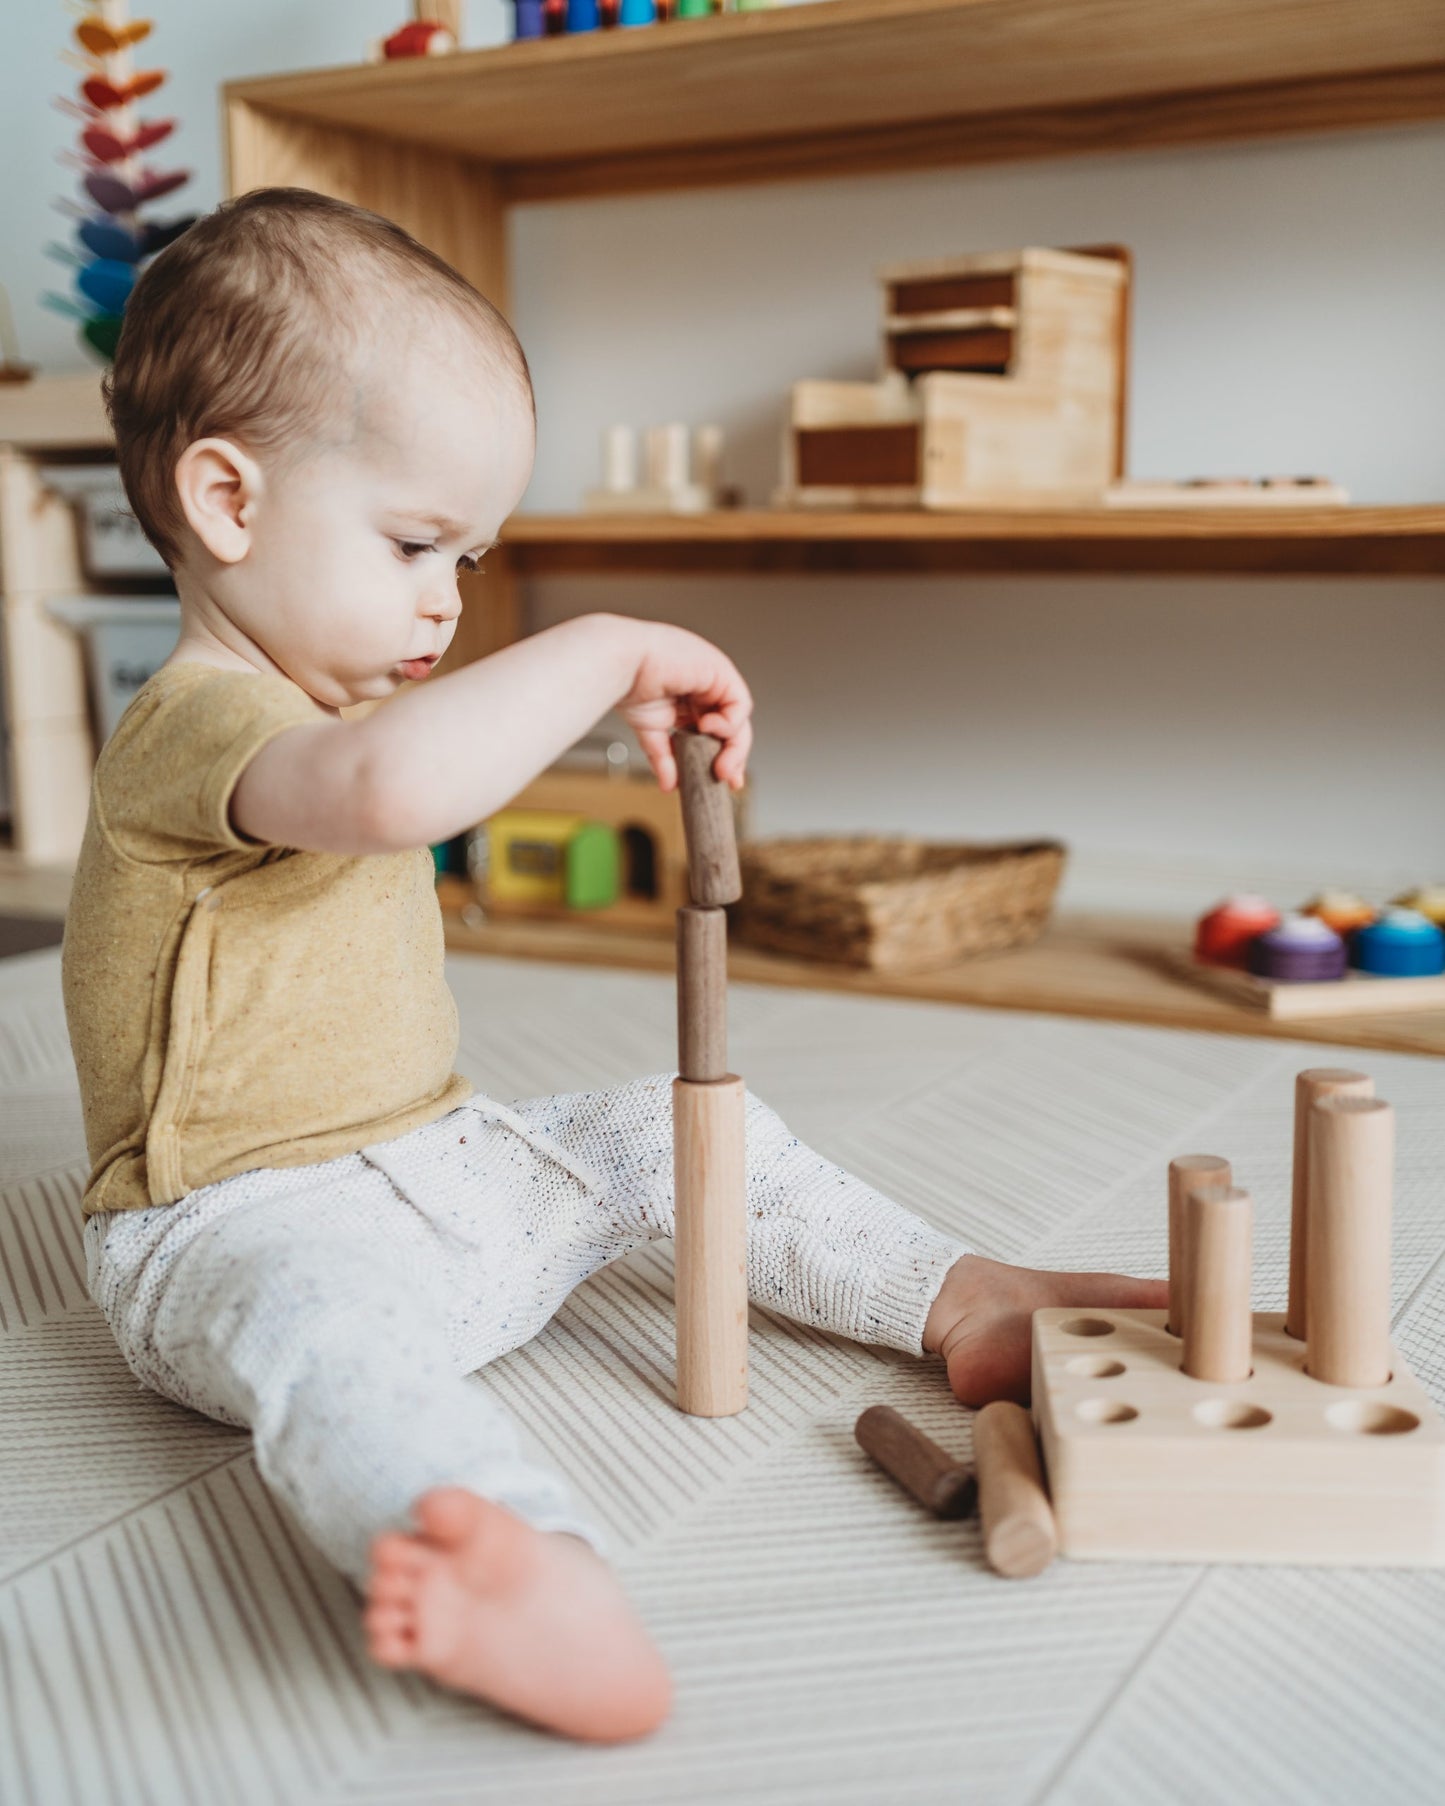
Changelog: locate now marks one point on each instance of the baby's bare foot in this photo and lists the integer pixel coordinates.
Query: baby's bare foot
(533, 1621)
(981, 1321)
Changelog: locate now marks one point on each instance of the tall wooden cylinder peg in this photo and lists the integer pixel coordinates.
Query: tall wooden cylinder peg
(710, 1189)
(1188, 1173)
(940, 1483)
(713, 875)
(1218, 1257)
(1019, 1535)
(1347, 1275)
(1309, 1086)
(702, 993)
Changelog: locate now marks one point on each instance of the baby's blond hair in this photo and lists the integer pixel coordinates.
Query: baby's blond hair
(244, 326)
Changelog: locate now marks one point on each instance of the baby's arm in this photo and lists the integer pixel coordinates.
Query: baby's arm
(451, 751)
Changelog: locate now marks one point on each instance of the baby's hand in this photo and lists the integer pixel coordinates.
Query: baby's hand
(684, 681)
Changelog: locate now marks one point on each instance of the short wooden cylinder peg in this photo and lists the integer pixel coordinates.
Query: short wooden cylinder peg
(1218, 1259)
(713, 875)
(1019, 1535)
(711, 1195)
(1347, 1279)
(1309, 1087)
(702, 993)
(940, 1483)
(1187, 1174)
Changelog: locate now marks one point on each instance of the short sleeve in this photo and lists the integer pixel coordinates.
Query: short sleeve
(164, 780)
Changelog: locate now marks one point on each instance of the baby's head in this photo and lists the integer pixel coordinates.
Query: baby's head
(318, 422)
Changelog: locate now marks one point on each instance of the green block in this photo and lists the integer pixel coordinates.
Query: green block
(693, 9)
(594, 867)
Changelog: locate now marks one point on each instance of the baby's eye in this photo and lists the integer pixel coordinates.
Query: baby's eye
(410, 547)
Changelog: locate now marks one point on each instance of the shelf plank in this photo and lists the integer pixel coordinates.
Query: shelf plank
(884, 83)
(1392, 541)
(1106, 968)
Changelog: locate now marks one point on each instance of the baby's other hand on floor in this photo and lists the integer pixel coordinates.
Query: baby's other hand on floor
(982, 1320)
(533, 1621)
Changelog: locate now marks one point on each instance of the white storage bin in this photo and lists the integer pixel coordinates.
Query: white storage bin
(127, 641)
(112, 546)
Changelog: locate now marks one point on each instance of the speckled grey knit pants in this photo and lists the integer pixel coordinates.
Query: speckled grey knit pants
(337, 1309)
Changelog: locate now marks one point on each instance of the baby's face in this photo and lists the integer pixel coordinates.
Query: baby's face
(356, 548)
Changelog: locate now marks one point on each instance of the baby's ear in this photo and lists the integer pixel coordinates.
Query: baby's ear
(218, 485)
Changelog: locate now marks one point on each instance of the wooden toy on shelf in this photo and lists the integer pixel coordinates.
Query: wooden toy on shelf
(1237, 1440)
(1003, 385)
(682, 473)
(1228, 492)
(708, 1109)
(434, 29)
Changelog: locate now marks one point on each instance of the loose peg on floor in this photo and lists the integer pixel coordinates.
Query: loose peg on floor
(1019, 1534)
(710, 1187)
(939, 1481)
(1309, 1086)
(714, 877)
(702, 993)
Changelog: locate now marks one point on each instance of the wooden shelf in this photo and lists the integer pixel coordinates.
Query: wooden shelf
(854, 85)
(1110, 969)
(1399, 541)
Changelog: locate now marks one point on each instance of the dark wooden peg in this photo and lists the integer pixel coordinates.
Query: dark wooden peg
(707, 822)
(939, 1482)
(702, 993)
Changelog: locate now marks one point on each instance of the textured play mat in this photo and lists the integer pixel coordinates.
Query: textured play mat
(166, 1635)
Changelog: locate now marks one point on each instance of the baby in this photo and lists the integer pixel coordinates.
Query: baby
(299, 1218)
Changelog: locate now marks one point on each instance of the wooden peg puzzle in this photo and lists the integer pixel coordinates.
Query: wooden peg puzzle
(708, 1108)
(1238, 1441)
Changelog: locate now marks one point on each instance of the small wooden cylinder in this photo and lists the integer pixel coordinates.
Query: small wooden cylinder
(713, 875)
(1347, 1277)
(1019, 1537)
(711, 1195)
(1218, 1318)
(1188, 1173)
(447, 13)
(702, 993)
(1315, 1083)
(930, 1474)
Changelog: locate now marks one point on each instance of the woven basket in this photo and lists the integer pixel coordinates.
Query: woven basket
(895, 905)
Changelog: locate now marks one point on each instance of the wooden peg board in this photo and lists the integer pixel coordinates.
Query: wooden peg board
(1356, 994)
(1146, 1464)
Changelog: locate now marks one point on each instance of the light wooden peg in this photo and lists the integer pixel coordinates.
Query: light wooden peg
(710, 1189)
(928, 1473)
(1309, 1086)
(446, 13)
(1188, 1173)
(1019, 1536)
(702, 993)
(707, 821)
(1218, 1251)
(1347, 1275)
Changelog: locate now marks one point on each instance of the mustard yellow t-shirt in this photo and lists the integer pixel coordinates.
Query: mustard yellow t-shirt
(232, 1004)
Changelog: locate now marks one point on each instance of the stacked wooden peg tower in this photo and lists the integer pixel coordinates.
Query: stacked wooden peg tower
(708, 1107)
(1218, 1434)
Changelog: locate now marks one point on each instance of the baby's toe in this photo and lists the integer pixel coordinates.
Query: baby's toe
(392, 1586)
(450, 1515)
(395, 1553)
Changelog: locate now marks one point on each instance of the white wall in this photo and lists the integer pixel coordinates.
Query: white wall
(1182, 734)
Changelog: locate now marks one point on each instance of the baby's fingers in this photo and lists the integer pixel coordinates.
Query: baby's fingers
(656, 744)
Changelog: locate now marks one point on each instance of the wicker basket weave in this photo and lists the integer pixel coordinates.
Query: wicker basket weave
(895, 905)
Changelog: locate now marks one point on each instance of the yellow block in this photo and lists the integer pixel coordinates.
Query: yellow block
(527, 855)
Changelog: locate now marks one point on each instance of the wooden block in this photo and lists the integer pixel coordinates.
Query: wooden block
(1218, 1259)
(1019, 1536)
(940, 1483)
(1357, 994)
(1347, 1257)
(702, 993)
(1145, 1463)
(1316, 1082)
(710, 1186)
(707, 820)
(1188, 1173)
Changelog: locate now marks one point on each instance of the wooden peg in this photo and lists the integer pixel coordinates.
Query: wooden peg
(1218, 1260)
(1019, 1536)
(707, 822)
(930, 1474)
(1347, 1275)
(710, 1189)
(702, 993)
(1315, 1083)
(1189, 1173)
